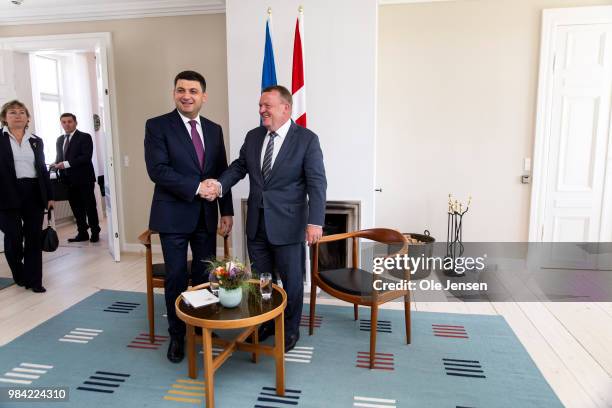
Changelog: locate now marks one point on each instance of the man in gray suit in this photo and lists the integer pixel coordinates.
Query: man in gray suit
(286, 204)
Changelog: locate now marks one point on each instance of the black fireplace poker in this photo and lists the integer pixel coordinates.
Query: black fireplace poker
(454, 235)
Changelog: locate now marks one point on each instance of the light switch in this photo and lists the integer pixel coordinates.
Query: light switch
(126, 161)
(527, 164)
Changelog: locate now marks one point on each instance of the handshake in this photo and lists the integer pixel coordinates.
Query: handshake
(209, 189)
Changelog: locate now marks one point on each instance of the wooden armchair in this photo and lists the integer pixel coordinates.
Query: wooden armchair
(156, 273)
(353, 284)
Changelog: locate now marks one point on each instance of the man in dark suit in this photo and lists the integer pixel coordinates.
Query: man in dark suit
(182, 149)
(74, 151)
(286, 204)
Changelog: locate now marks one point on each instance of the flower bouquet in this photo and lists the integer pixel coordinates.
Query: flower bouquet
(231, 277)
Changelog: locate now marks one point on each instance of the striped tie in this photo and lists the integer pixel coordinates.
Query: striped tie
(266, 168)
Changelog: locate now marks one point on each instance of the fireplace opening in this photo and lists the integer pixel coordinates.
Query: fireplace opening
(333, 255)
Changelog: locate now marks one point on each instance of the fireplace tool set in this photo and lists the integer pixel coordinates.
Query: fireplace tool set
(454, 234)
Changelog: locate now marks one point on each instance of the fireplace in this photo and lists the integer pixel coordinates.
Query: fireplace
(340, 216)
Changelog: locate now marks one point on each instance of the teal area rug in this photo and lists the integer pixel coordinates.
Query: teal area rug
(6, 282)
(97, 349)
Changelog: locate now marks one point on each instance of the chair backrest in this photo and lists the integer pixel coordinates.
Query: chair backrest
(383, 235)
(145, 239)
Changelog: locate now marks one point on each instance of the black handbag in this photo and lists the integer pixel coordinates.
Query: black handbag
(48, 236)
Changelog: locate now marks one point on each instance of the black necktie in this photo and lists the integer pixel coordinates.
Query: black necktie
(266, 168)
(67, 137)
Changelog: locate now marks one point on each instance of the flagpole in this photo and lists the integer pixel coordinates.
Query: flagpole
(269, 22)
(307, 267)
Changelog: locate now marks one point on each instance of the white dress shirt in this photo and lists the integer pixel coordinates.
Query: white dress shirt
(278, 142)
(23, 155)
(198, 127)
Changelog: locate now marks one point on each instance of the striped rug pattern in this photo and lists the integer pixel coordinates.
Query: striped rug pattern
(100, 349)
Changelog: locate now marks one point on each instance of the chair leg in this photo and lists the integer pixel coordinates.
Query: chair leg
(356, 311)
(373, 326)
(151, 315)
(407, 318)
(313, 306)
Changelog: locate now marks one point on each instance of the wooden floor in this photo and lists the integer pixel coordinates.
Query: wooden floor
(571, 343)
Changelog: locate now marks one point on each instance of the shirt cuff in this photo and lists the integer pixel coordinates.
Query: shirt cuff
(314, 225)
(198, 189)
(220, 189)
(66, 164)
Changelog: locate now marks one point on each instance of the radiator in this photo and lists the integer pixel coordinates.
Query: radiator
(63, 213)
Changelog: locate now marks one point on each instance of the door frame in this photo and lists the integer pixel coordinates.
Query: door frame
(91, 41)
(551, 19)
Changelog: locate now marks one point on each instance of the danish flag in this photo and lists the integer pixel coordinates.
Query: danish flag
(298, 89)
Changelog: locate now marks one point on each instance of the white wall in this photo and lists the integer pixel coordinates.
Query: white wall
(457, 93)
(340, 40)
(23, 83)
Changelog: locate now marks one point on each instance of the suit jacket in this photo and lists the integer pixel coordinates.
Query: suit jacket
(78, 155)
(8, 177)
(173, 166)
(298, 171)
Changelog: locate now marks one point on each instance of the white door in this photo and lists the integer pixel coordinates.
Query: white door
(572, 145)
(110, 196)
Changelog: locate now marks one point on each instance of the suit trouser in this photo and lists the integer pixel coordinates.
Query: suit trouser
(288, 262)
(83, 204)
(174, 247)
(22, 231)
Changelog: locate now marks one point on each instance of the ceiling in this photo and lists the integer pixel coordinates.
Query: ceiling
(54, 11)
(50, 11)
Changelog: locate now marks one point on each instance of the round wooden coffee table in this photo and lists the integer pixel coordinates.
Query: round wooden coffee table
(251, 312)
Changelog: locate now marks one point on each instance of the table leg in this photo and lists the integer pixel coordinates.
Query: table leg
(279, 353)
(191, 353)
(255, 340)
(209, 369)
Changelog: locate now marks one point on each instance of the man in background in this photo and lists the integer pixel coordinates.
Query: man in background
(182, 149)
(73, 160)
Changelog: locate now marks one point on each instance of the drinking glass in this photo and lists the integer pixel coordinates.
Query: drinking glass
(265, 285)
(214, 284)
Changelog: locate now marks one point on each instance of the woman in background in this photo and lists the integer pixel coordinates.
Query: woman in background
(25, 189)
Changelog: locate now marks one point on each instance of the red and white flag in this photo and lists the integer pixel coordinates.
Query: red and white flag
(298, 88)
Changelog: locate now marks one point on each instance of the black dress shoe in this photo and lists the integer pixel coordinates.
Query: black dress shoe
(19, 282)
(37, 289)
(176, 350)
(264, 332)
(79, 238)
(291, 341)
(95, 236)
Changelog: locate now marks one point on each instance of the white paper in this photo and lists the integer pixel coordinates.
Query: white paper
(199, 298)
